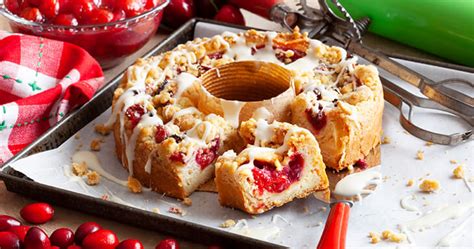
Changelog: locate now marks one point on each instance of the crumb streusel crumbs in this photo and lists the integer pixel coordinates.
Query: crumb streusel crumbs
(429, 185)
(93, 178)
(228, 223)
(420, 155)
(79, 169)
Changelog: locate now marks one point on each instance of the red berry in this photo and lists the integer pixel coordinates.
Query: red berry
(99, 16)
(74, 247)
(65, 6)
(214, 247)
(49, 8)
(178, 12)
(20, 231)
(9, 240)
(168, 244)
(34, 2)
(36, 239)
(230, 14)
(207, 8)
(37, 213)
(135, 113)
(82, 8)
(85, 229)
(13, 6)
(160, 134)
(32, 14)
(150, 4)
(66, 20)
(119, 15)
(102, 239)
(261, 7)
(6, 222)
(206, 156)
(55, 247)
(131, 7)
(62, 237)
(130, 244)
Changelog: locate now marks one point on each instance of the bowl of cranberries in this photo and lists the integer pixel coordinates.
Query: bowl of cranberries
(109, 30)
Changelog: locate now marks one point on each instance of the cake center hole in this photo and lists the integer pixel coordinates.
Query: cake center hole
(247, 81)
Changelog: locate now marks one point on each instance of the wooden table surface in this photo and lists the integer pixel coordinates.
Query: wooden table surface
(11, 203)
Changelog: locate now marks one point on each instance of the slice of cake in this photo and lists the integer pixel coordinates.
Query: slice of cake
(281, 162)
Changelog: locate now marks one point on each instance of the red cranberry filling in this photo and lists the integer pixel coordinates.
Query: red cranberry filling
(205, 156)
(177, 157)
(160, 134)
(216, 55)
(318, 120)
(362, 164)
(256, 48)
(268, 178)
(135, 113)
(296, 54)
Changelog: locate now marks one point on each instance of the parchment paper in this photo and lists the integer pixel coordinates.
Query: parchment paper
(299, 224)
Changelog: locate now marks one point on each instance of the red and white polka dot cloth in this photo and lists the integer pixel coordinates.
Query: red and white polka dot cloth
(41, 80)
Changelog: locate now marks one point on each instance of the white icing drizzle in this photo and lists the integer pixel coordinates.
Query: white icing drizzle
(356, 184)
(435, 217)
(451, 238)
(193, 132)
(468, 185)
(264, 233)
(93, 163)
(262, 113)
(404, 203)
(148, 164)
(148, 119)
(231, 110)
(229, 154)
(277, 217)
(263, 132)
(184, 81)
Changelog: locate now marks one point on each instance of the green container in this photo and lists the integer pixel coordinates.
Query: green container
(441, 27)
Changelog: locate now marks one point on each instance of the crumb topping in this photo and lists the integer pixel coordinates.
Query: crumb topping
(420, 155)
(95, 144)
(429, 185)
(458, 172)
(228, 223)
(93, 178)
(410, 183)
(134, 185)
(79, 169)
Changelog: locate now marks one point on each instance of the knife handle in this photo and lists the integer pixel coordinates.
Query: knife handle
(334, 234)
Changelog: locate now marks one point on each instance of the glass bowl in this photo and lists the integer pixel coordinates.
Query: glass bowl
(109, 43)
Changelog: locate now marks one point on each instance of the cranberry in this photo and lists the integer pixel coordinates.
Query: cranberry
(119, 15)
(178, 12)
(66, 20)
(216, 55)
(6, 222)
(98, 16)
(268, 178)
(103, 239)
(177, 156)
(32, 14)
(37, 213)
(131, 7)
(160, 134)
(20, 231)
(207, 8)
(74, 247)
(214, 247)
(318, 120)
(296, 54)
(36, 239)
(361, 163)
(206, 156)
(49, 8)
(82, 8)
(34, 2)
(130, 244)
(55, 247)
(135, 113)
(83, 230)
(9, 240)
(13, 6)
(168, 244)
(150, 4)
(62, 237)
(230, 14)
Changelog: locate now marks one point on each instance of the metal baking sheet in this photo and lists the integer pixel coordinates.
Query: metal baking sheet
(67, 127)
(395, 159)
